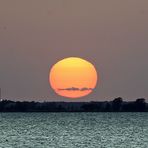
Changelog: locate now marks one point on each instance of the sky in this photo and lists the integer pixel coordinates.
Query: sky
(111, 34)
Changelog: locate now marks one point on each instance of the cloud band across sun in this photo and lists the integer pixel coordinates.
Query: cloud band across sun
(75, 89)
(73, 77)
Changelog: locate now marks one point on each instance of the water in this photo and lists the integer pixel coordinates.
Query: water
(73, 130)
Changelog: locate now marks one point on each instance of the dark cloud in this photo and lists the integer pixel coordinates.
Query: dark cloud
(75, 89)
(85, 89)
(69, 89)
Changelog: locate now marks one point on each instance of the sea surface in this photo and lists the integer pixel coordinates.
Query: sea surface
(73, 130)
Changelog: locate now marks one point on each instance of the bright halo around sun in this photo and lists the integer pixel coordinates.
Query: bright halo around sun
(73, 77)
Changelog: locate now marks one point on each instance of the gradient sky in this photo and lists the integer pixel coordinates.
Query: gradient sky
(35, 34)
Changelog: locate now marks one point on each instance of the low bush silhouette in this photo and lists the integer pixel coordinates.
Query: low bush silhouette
(117, 105)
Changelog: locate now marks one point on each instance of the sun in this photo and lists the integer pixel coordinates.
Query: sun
(73, 77)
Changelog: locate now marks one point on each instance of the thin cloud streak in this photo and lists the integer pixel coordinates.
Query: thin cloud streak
(75, 89)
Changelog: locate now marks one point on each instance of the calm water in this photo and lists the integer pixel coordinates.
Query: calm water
(73, 130)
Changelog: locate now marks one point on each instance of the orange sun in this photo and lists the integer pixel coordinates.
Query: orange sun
(73, 77)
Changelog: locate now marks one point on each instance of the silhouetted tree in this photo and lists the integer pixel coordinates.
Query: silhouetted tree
(140, 105)
(117, 104)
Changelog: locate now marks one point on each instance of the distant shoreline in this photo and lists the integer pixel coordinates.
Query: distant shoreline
(117, 105)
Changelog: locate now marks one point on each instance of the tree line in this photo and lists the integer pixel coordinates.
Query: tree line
(117, 105)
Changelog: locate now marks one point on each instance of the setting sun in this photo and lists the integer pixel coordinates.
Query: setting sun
(73, 77)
